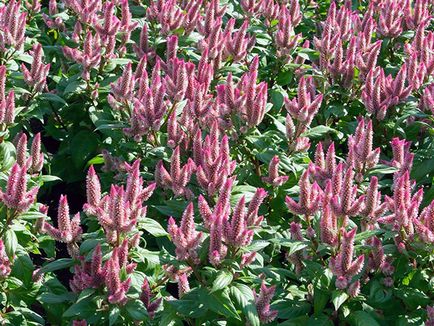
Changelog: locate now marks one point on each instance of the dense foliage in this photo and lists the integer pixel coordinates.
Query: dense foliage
(207, 162)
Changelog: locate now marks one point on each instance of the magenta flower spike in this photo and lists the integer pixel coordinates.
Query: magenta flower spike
(262, 301)
(286, 39)
(35, 78)
(111, 23)
(309, 198)
(214, 165)
(424, 225)
(237, 43)
(427, 100)
(143, 49)
(90, 57)
(404, 209)
(391, 18)
(68, 230)
(372, 207)
(306, 105)
(21, 150)
(93, 192)
(116, 289)
(273, 177)
(124, 86)
(345, 203)
(217, 250)
(5, 264)
(325, 165)
(328, 226)
(343, 265)
(252, 212)
(270, 10)
(416, 15)
(402, 157)
(146, 297)
(185, 237)
(251, 7)
(213, 12)
(12, 26)
(192, 17)
(36, 155)
(116, 216)
(361, 156)
(183, 285)
(16, 196)
(178, 177)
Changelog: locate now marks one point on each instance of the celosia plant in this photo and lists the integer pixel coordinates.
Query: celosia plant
(216, 162)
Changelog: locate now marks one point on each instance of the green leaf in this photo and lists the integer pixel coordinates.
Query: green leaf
(320, 300)
(11, 242)
(362, 318)
(114, 315)
(58, 264)
(137, 310)
(293, 246)
(52, 98)
(51, 298)
(83, 309)
(220, 303)
(382, 169)
(223, 279)
(153, 227)
(243, 296)
(338, 298)
(49, 178)
(367, 234)
(318, 132)
(82, 145)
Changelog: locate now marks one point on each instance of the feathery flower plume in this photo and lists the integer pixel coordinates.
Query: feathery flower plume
(391, 18)
(116, 289)
(90, 57)
(309, 198)
(404, 209)
(12, 26)
(361, 156)
(146, 296)
(183, 285)
(329, 226)
(68, 230)
(372, 207)
(93, 192)
(273, 177)
(286, 40)
(185, 237)
(325, 166)
(124, 86)
(343, 266)
(424, 225)
(36, 77)
(402, 157)
(5, 264)
(217, 250)
(237, 44)
(212, 158)
(426, 102)
(37, 157)
(178, 177)
(21, 150)
(344, 202)
(262, 301)
(16, 195)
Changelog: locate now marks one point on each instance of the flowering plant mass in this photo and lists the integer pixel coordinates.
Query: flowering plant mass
(216, 162)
